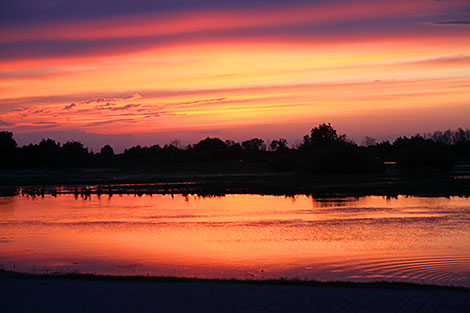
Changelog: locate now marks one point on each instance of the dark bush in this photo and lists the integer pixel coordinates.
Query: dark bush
(426, 154)
(339, 158)
(75, 154)
(210, 149)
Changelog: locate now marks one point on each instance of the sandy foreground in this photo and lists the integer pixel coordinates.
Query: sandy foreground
(71, 295)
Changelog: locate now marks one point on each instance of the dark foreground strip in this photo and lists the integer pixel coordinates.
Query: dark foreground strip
(281, 281)
(90, 293)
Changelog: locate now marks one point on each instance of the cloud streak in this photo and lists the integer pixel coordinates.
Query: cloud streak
(322, 22)
(5, 123)
(119, 108)
(453, 23)
(108, 122)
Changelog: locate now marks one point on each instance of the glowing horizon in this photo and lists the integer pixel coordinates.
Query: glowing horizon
(234, 71)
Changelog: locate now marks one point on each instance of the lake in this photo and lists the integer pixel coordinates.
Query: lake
(372, 238)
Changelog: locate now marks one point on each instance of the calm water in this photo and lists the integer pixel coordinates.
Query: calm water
(242, 236)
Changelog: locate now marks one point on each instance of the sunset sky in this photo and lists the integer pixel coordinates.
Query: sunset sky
(150, 71)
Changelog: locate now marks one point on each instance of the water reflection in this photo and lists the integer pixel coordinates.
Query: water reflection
(242, 236)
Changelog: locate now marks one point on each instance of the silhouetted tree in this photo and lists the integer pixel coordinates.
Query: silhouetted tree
(321, 136)
(210, 149)
(327, 152)
(134, 153)
(279, 145)
(417, 152)
(7, 149)
(368, 141)
(234, 150)
(7, 143)
(254, 145)
(458, 139)
(173, 153)
(49, 153)
(154, 154)
(107, 151)
(75, 153)
(322, 151)
(339, 158)
(106, 158)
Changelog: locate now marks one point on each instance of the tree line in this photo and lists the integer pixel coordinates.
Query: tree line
(322, 151)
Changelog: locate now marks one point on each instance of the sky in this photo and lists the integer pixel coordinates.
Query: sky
(151, 71)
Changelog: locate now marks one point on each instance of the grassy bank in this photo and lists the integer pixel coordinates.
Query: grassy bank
(281, 281)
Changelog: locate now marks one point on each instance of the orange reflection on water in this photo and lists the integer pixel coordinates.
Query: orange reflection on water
(242, 236)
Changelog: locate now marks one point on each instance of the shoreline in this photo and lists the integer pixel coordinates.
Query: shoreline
(110, 182)
(6, 274)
